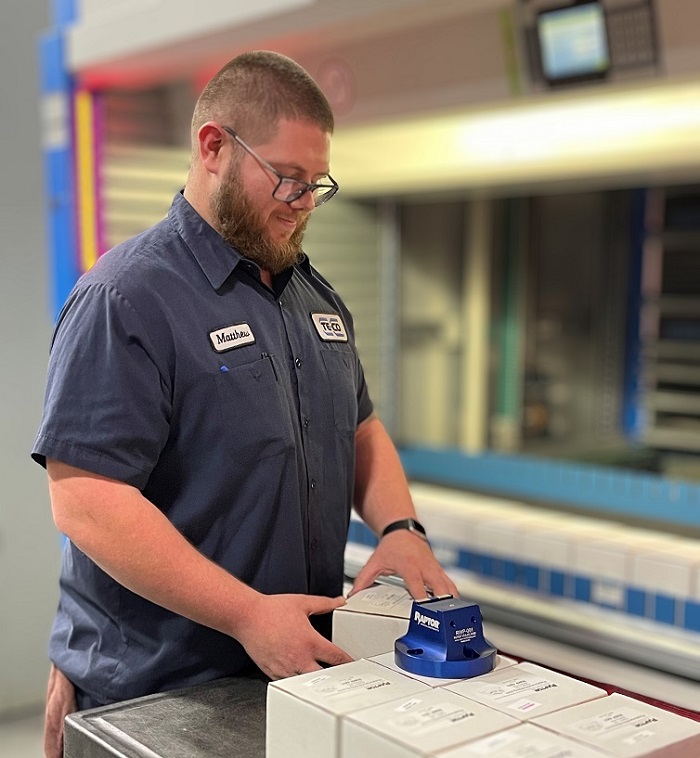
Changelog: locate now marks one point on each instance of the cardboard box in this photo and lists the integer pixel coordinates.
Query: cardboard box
(387, 659)
(527, 690)
(666, 577)
(372, 620)
(623, 727)
(304, 712)
(525, 740)
(604, 567)
(419, 726)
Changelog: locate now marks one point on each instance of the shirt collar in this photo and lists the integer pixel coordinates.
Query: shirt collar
(215, 256)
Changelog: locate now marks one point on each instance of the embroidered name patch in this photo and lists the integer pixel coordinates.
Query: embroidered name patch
(232, 336)
(330, 327)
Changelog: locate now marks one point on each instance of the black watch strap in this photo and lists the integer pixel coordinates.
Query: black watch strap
(406, 523)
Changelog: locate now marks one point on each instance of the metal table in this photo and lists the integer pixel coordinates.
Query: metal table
(222, 719)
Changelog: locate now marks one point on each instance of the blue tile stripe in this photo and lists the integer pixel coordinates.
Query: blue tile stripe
(681, 612)
(596, 488)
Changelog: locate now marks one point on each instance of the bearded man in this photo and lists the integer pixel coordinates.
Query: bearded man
(207, 426)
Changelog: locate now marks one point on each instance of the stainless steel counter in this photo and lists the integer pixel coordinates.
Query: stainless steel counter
(223, 719)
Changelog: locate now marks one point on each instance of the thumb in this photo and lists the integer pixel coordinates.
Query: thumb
(363, 580)
(316, 604)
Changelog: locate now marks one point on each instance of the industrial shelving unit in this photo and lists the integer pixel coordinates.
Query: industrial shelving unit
(670, 328)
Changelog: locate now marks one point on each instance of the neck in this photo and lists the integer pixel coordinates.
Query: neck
(198, 200)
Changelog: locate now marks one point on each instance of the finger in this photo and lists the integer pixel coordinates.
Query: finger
(442, 584)
(416, 586)
(332, 655)
(307, 668)
(316, 604)
(445, 586)
(282, 672)
(366, 578)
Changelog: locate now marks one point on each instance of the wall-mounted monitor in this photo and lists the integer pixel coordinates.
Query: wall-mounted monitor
(573, 42)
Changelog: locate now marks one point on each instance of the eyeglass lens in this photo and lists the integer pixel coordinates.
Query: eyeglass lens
(289, 190)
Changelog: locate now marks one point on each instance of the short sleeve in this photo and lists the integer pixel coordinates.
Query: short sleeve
(107, 404)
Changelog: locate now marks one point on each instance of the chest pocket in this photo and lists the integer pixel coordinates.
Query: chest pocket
(340, 367)
(254, 413)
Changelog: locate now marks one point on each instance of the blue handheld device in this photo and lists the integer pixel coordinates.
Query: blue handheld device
(445, 639)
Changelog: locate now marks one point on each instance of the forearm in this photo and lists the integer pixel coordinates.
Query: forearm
(381, 490)
(382, 497)
(133, 542)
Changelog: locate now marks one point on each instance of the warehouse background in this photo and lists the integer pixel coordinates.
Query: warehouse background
(576, 313)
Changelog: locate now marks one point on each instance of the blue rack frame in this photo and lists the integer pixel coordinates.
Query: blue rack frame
(56, 92)
(599, 489)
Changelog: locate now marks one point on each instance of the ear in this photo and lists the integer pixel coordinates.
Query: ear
(211, 140)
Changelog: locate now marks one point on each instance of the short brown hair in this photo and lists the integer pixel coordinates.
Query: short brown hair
(252, 92)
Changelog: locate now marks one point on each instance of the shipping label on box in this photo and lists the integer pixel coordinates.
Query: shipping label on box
(527, 690)
(303, 712)
(623, 727)
(420, 725)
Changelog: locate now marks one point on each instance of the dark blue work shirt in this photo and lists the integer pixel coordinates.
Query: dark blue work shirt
(232, 407)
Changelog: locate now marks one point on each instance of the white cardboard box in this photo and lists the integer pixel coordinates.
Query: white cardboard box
(387, 659)
(667, 570)
(623, 727)
(527, 690)
(525, 740)
(304, 712)
(372, 620)
(419, 726)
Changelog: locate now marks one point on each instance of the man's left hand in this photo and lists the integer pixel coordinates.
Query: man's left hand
(402, 553)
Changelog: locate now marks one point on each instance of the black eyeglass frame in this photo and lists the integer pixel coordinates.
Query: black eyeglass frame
(301, 185)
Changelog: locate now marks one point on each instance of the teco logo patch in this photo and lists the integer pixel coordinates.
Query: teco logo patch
(330, 327)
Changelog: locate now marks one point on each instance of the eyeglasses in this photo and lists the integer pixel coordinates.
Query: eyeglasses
(289, 189)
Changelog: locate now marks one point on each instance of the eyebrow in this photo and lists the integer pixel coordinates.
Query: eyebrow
(295, 167)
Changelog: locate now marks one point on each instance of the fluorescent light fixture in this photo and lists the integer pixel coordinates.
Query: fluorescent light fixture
(626, 135)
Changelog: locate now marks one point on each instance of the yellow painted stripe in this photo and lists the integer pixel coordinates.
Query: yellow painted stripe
(85, 178)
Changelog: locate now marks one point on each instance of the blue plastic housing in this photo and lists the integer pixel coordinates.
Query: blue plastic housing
(445, 639)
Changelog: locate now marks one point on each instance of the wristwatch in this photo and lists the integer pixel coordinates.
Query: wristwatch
(407, 523)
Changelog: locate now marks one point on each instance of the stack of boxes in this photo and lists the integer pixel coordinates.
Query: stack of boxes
(371, 707)
(608, 565)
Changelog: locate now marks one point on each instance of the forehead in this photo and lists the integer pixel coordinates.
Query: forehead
(297, 143)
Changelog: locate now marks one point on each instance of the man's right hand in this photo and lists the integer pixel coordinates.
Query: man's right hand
(127, 537)
(279, 638)
(60, 701)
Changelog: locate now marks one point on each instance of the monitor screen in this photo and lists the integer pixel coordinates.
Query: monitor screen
(573, 42)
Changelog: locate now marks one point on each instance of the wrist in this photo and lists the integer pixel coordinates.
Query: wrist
(245, 605)
(407, 524)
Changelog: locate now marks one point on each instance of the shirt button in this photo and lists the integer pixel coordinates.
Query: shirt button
(306, 423)
(313, 544)
(312, 484)
(297, 362)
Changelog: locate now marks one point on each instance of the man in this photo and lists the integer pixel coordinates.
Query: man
(207, 425)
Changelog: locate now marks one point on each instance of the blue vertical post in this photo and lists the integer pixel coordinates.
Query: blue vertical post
(632, 416)
(56, 93)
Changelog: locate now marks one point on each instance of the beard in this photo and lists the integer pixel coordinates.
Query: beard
(240, 224)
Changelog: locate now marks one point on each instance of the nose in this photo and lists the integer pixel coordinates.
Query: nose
(304, 202)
